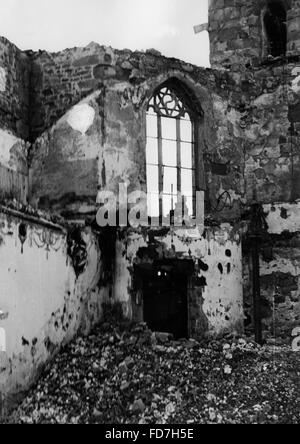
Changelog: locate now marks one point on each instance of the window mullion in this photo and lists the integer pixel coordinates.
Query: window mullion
(178, 138)
(195, 160)
(160, 165)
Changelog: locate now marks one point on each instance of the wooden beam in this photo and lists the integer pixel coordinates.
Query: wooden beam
(201, 28)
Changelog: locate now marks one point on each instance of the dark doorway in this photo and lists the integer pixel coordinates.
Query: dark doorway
(165, 291)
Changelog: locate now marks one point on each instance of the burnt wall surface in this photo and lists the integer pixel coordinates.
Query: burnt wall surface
(211, 262)
(51, 288)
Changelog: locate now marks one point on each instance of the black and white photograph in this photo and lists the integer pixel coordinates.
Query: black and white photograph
(149, 215)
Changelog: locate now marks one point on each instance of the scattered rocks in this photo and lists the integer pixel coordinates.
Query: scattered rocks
(138, 407)
(163, 338)
(128, 375)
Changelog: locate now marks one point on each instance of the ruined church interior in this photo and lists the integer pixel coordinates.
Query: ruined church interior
(81, 122)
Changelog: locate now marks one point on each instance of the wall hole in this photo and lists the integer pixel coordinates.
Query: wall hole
(203, 266)
(22, 235)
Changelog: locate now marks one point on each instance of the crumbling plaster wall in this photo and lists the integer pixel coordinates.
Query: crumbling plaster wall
(215, 301)
(43, 303)
(64, 172)
(280, 272)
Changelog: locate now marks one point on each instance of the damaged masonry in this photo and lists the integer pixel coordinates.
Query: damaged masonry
(85, 120)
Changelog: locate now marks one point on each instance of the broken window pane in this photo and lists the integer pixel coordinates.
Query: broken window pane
(186, 155)
(152, 151)
(152, 179)
(186, 130)
(168, 128)
(170, 180)
(187, 182)
(151, 125)
(169, 152)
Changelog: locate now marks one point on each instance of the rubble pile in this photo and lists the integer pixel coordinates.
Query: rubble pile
(127, 375)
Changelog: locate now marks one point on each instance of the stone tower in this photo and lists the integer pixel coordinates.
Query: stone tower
(244, 32)
(255, 44)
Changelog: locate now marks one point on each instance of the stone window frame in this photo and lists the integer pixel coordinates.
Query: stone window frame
(192, 104)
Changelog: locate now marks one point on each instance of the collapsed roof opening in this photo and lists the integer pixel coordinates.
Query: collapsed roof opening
(275, 24)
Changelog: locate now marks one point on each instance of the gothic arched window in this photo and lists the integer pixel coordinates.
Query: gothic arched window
(171, 152)
(275, 19)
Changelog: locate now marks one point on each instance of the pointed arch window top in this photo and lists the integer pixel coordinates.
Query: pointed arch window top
(166, 103)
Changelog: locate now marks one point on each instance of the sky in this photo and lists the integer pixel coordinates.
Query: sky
(53, 25)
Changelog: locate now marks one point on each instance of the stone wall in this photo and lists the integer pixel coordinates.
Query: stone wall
(293, 23)
(72, 162)
(264, 112)
(262, 124)
(63, 79)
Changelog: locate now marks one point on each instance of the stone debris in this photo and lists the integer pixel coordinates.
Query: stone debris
(118, 375)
